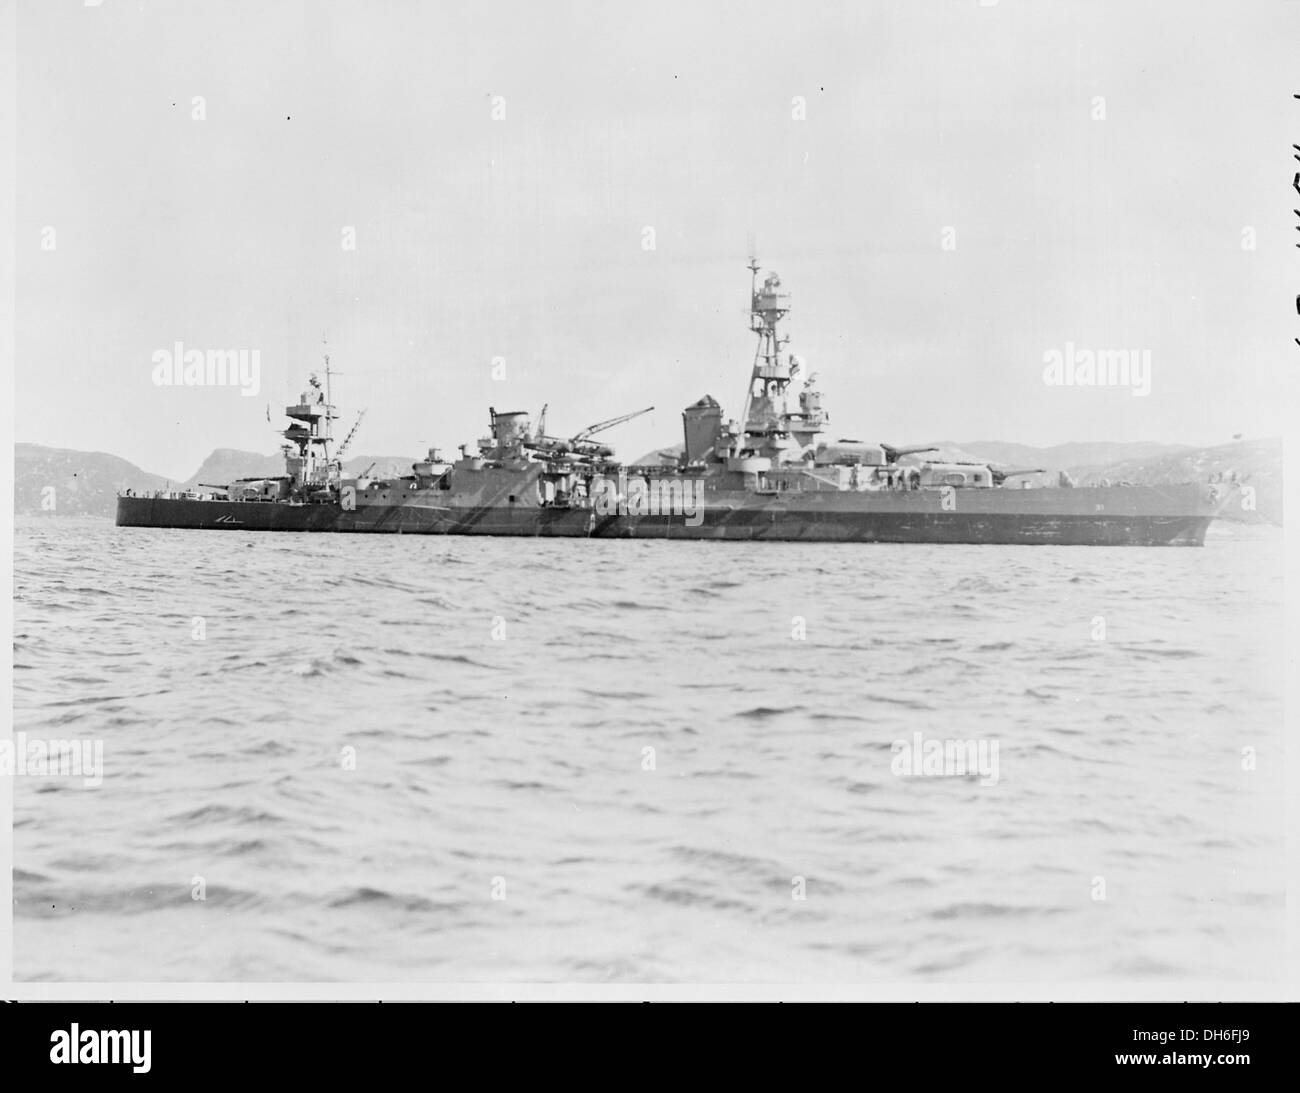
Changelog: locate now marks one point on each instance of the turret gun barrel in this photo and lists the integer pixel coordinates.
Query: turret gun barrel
(1001, 476)
(894, 453)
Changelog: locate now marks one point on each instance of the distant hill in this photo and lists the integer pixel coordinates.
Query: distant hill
(72, 483)
(1256, 463)
(1065, 457)
(224, 465)
(667, 454)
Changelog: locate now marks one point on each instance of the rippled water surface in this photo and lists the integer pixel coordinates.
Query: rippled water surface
(500, 697)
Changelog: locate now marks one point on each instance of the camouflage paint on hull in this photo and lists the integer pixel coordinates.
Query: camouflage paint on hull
(1116, 516)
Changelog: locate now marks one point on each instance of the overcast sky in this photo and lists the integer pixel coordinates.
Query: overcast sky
(522, 236)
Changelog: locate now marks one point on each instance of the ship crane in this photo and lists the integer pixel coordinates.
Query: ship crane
(338, 455)
(601, 426)
(580, 444)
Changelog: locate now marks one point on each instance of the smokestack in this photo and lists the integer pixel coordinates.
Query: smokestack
(701, 424)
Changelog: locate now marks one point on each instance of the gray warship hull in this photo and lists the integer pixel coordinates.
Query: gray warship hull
(1102, 516)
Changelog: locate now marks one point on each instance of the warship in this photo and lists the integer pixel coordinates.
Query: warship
(776, 473)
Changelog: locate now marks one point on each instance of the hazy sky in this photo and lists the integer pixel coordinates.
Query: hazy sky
(522, 236)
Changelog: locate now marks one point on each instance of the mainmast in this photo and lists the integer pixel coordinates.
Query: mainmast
(772, 370)
(307, 455)
(770, 427)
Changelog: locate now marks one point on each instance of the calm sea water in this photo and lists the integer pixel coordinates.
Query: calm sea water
(500, 820)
